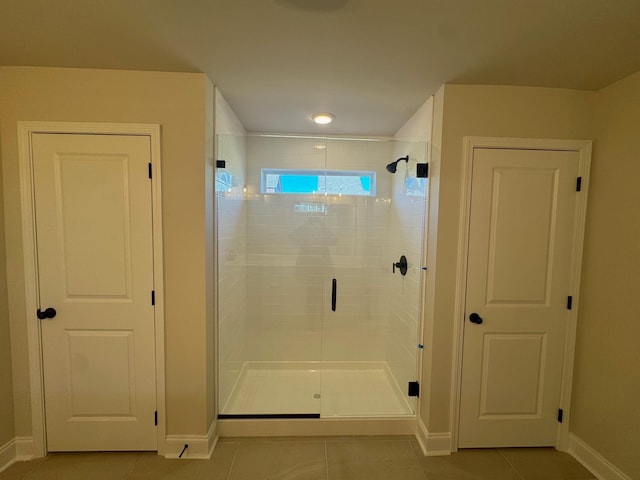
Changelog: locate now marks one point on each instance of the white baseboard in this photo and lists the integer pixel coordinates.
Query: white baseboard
(433, 444)
(17, 449)
(200, 446)
(593, 461)
(7, 454)
(24, 448)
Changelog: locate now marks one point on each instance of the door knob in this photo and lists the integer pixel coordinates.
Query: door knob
(48, 313)
(475, 318)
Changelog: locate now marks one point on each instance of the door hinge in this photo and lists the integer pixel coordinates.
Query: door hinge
(579, 184)
(569, 302)
(414, 389)
(560, 415)
(150, 170)
(422, 170)
(155, 418)
(153, 297)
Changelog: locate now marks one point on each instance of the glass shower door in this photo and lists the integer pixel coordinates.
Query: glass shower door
(270, 263)
(312, 321)
(370, 332)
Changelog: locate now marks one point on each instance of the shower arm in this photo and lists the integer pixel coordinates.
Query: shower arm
(393, 166)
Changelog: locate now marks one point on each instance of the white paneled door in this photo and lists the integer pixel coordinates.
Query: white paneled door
(518, 278)
(95, 269)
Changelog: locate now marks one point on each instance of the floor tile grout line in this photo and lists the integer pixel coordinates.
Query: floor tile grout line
(510, 464)
(136, 463)
(233, 461)
(415, 455)
(326, 459)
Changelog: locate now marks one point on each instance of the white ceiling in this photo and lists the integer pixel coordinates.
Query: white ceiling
(370, 62)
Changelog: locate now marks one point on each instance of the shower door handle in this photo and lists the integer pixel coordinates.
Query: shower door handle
(334, 294)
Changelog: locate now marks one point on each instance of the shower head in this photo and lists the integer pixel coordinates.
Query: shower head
(393, 166)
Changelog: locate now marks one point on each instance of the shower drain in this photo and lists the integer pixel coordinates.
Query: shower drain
(316, 395)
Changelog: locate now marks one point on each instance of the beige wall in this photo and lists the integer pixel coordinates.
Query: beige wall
(472, 110)
(418, 127)
(607, 375)
(6, 388)
(177, 102)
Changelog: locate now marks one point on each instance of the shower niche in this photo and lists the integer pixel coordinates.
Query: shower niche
(312, 320)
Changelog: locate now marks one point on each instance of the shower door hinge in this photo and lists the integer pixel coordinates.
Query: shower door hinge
(221, 163)
(414, 389)
(422, 170)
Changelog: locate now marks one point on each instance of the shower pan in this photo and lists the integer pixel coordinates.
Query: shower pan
(312, 320)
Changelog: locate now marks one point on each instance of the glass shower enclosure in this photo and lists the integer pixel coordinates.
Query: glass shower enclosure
(318, 315)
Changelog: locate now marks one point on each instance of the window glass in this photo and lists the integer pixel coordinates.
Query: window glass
(330, 182)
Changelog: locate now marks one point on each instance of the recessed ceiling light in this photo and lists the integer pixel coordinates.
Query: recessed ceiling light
(322, 118)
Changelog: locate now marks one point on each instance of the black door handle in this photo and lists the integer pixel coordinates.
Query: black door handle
(48, 313)
(334, 294)
(475, 318)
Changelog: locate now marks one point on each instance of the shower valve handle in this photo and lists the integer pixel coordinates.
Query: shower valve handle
(402, 265)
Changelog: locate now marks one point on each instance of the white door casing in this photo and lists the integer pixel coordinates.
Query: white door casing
(522, 262)
(97, 220)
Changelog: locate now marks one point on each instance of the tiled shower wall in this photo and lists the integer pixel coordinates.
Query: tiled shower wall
(294, 255)
(232, 255)
(359, 257)
(285, 257)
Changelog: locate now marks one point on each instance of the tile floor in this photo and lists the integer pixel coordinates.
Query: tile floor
(322, 458)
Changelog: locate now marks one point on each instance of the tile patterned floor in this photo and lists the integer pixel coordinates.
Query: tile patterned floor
(309, 458)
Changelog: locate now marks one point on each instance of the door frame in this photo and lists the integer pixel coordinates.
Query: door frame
(27, 190)
(583, 148)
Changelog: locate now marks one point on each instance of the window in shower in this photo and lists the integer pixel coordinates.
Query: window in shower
(312, 182)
